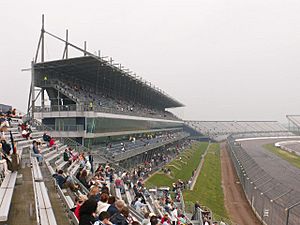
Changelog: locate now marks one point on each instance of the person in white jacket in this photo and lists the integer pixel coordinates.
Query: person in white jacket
(174, 216)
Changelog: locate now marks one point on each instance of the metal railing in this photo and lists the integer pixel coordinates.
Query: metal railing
(66, 127)
(273, 202)
(140, 150)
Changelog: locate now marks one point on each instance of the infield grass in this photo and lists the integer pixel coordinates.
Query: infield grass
(292, 158)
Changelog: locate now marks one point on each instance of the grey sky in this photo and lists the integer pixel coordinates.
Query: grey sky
(233, 59)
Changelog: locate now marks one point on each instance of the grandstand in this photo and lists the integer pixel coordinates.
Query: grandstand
(44, 192)
(294, 123)
(101, 125)
(220, 130)
(102, 105)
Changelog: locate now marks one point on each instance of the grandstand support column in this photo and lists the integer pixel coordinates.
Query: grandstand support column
(58, 100)
(43, 98)
(66, 55)
(84, 48)
(32, 90)
(43, 39)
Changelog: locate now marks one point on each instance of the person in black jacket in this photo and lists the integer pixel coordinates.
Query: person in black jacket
(5, 147)
(83, 179)
(60, 179)
(121, 217)
(87, 212)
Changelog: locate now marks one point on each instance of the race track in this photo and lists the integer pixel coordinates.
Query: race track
(276, 167)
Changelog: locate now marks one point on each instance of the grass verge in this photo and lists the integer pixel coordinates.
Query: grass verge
(291, 157)
(208, 188)
(180, 169)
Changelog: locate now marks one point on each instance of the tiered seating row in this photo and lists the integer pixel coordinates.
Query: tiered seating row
(6, 192)
(44, 209)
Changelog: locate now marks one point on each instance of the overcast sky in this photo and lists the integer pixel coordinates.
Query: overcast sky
(224, 59)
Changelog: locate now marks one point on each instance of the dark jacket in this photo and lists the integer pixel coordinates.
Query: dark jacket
(86, 212)
(6, 147)
(112, 210)
(87, 220)
(118, 219)
(60, 180)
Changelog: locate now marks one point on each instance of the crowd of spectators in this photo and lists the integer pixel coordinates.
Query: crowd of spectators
(101, 206)
(95, 100)
(139, 141)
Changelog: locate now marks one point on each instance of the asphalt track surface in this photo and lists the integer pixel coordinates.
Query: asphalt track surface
(279, 169)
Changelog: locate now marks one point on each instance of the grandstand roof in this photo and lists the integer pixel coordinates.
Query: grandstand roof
(94, 70)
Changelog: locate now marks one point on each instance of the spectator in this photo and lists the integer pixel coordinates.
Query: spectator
(94, 193)
(79, 202)
(154, 220)
(118, 206)
(60, 179)
(36, 151)
(91, 160)
(174, 215)
(120, 217)
(4, 126)
(83, 178)
(66, 156)
(102, 204)
(112, 209)
(5, 146)
(52, 143)
(146, 220)
(46, 137)
(165, 220)
(26, 134)
(104, 218)
(138, 205)
(87, 212)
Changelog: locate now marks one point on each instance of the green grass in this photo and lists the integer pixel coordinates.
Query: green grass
(292, 158)
(208, 190)
(192, 156)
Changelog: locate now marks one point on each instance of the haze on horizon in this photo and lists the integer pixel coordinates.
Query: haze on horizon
(225, 60)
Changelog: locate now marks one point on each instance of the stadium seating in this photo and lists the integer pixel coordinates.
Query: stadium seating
(90, 99)
(53, 161)
(219, 130)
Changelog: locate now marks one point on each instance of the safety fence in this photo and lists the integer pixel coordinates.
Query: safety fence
(273, 202)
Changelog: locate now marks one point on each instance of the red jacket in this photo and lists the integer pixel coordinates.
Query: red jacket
(51, 142)
(76, 212)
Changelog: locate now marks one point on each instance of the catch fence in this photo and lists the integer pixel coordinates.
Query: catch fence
(273, 202)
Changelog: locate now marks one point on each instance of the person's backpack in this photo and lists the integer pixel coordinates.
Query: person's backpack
(15, 161)
(9, 163)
